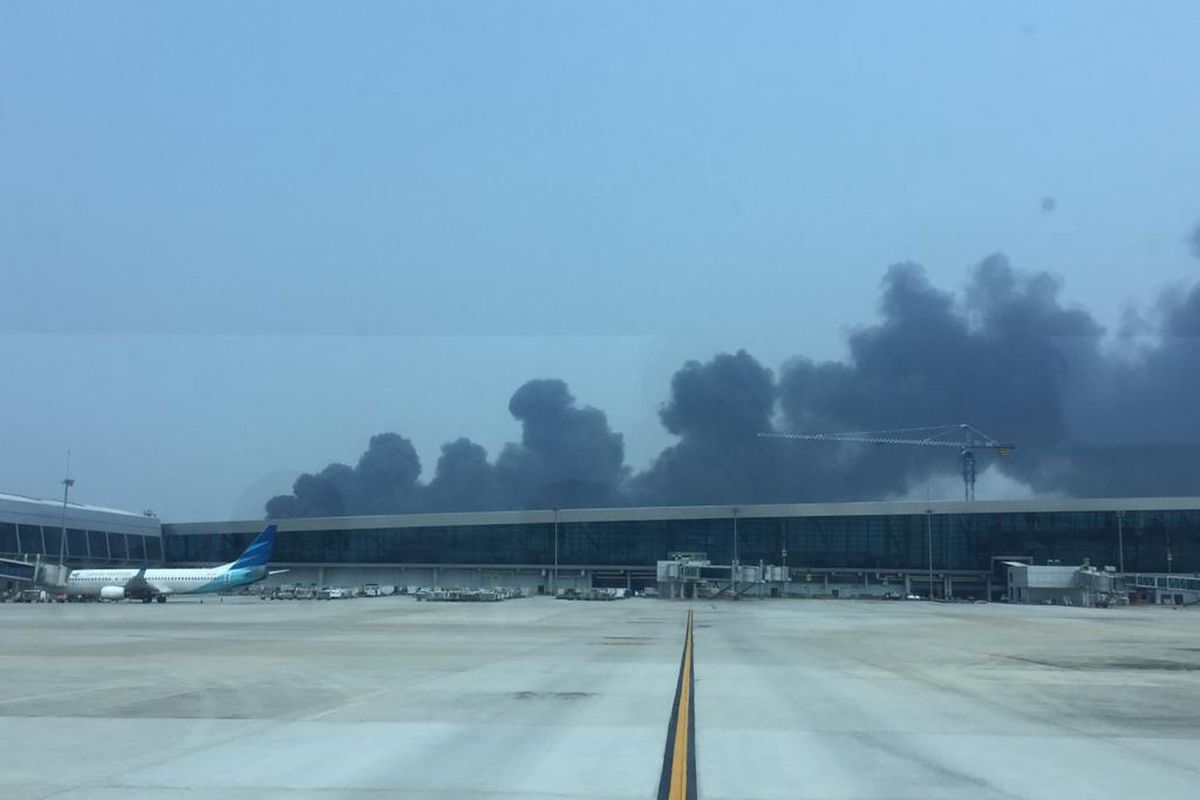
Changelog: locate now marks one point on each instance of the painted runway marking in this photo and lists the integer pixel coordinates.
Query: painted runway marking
(678, 781)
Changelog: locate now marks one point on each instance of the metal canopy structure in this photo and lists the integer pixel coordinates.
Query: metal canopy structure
(964, 437)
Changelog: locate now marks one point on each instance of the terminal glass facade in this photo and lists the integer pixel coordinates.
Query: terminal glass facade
(20, 541)
(1162, 541)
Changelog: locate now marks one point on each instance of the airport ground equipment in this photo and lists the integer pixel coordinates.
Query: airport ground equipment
(966, 438)
(592, 594)
(495, 595)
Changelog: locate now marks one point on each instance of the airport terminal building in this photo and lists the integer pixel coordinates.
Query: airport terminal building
(31, 535)
(96, 536)
(954, 549)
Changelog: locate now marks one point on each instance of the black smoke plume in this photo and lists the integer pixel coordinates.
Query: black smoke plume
(567, 457)
(1091, 415)
(716, 409)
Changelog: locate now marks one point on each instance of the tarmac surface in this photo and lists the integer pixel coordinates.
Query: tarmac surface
(536, 698)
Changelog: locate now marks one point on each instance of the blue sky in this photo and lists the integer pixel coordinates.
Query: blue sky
(238, 238)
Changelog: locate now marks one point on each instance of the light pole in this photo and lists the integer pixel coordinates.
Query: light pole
(1167, 536)
(783, 553)
(929, 544)
(733, 563)
(67, 483)
(1121, 542)
(554, 581)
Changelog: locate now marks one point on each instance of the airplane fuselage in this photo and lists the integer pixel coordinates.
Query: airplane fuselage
(165, 581)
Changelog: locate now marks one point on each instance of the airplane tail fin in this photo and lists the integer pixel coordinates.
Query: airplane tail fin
(259, 551)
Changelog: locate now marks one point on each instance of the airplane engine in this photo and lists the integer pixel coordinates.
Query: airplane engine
(112, 593)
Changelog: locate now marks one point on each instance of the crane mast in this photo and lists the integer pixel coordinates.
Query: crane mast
(966, 438)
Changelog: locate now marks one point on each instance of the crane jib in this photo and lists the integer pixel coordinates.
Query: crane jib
(965, 438)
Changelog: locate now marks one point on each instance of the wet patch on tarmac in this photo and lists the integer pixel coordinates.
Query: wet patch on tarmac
(552, 695)
(1095, 665)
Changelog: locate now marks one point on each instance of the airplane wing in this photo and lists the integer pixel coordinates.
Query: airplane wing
(138, 588)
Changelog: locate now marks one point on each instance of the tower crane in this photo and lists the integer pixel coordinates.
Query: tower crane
(966, 438)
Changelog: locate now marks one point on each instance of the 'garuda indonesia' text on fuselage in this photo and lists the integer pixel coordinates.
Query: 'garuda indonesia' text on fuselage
(156, 584)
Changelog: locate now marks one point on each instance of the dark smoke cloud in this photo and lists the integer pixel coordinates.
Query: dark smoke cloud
(716, 409)
(1000, 360)
(387, 475)
(464, 480)
(1005, 355)
(384, 482)
(568, 456)
(1015, 362)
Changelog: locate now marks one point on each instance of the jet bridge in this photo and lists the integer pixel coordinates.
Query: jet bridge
(688, 575)
(36, 572)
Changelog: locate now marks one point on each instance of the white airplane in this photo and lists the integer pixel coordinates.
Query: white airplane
(156, 584)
